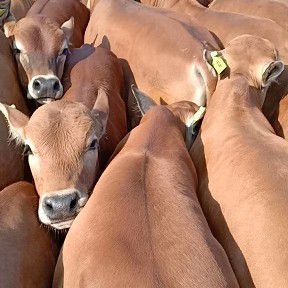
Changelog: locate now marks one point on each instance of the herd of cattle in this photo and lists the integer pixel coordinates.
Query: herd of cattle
(170, 116)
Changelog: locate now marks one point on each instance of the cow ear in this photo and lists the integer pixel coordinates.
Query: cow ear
(272, 72)
(191, 126)
(16, 121)
(144, 102)
(101, 111)
(68, 28)
(9, 25)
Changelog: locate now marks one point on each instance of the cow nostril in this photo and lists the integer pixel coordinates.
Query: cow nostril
(73, 203)
(56, 86)
(48, 205)
(37, 85)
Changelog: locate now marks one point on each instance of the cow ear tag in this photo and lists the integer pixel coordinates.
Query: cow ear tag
(218, 63)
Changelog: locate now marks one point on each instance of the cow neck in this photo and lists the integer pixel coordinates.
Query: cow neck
(193, 8)
(235, 100)
(245, 97)
(161, 124)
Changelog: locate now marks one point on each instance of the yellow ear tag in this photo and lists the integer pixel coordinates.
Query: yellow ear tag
(218, 63)
(2, 11)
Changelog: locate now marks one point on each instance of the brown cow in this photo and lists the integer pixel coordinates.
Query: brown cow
(167, 61)
(19, 8)
(243, 172)
(218, 22)
(62, 137)
(154, 71)
(28, 252)
(11, 161)
(41, 44)
(143, 225)
(14, 9)
(276, 10)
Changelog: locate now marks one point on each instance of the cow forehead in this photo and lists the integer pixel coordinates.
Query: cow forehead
(34, 35)
(256, 44)
(57, 127)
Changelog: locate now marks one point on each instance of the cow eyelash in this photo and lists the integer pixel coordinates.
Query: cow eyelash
(65, 51)
(16, 50)
(27, 150)
(93, 145)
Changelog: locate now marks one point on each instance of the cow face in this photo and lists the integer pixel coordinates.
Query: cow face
(62, 144)
(40, 48)
(255, 58)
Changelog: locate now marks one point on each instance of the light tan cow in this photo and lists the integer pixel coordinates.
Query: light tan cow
(154, 70)
(143, 225)
(28, 252)
(62, 138)
(164, 53)
(243, 172)
(218, 22)
(275, 10)
(11, 161)
(41, 43)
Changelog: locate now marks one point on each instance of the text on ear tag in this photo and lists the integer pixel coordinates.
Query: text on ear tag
(218, 63)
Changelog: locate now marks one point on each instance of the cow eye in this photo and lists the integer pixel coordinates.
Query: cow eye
(27, 150)
(65, 51)
(93, 145)
(16, 51)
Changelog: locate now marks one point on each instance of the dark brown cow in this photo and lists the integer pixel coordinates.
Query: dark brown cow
(143, 225)
(28, 252)
(11, 160)
(62, 138)
(41, 43)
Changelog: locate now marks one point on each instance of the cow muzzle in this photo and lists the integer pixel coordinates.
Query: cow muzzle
(45, 88)
(58, 209)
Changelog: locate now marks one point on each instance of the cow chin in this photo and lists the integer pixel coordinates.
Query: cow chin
(45, 100)
(62, 225)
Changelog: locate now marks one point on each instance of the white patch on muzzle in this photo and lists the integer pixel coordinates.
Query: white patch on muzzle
(83, 198)
(48, 76)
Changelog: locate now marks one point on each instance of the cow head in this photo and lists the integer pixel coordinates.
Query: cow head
(252, 56)
(187, 113)
(40, 47)
(62, 144)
